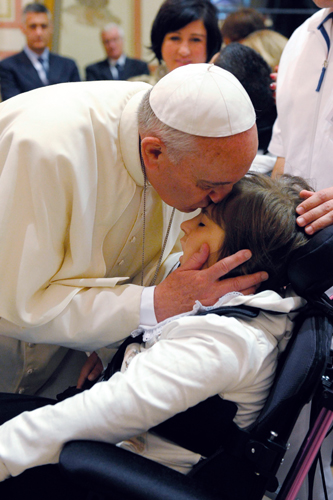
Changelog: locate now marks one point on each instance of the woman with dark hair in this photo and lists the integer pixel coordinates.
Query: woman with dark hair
(185, 31)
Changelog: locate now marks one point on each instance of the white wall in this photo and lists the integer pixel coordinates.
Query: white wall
(11, 39)
(149, 10)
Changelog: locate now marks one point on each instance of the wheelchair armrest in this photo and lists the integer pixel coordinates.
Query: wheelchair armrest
(109, 470)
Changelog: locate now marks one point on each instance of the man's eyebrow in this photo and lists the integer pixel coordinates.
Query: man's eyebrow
(214, 184)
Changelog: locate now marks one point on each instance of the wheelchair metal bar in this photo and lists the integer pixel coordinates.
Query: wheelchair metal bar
(307, 455)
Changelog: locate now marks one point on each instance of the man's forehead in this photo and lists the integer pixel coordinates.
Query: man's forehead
(111, 35)
(220, 172)
(37, 18)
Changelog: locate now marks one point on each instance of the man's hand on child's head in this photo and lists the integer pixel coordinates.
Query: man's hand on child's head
(179, 291)
(316, 212)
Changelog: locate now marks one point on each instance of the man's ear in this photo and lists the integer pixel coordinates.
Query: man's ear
(151, 149)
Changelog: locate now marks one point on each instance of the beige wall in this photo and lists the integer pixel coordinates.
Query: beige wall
(149, 9)
(11, 37)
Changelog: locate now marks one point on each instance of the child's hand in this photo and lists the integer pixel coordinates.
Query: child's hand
(179, 291)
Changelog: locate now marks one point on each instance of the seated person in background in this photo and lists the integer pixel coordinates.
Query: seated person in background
(269, 44)
(240, 24)
(35, 66)
(187, 358)
(254, 74)
(117, 66)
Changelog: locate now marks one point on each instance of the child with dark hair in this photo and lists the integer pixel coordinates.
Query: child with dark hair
(188, 358)
(259, 214)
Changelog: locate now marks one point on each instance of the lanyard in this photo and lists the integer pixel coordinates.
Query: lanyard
(323, 31)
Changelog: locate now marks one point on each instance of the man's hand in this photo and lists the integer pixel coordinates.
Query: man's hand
(179, 291)
(316, 212)
(91, 370)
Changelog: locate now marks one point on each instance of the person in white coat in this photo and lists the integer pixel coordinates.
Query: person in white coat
(302, 141)
(187, 358)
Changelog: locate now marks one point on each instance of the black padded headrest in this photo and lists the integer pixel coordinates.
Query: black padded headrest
(310, 268)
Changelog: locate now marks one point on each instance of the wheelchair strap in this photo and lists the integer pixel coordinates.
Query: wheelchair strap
(237, 312)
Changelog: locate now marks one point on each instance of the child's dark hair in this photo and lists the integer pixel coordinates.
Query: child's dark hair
(259, 214)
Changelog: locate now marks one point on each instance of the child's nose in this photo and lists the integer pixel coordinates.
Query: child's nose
(184, 227)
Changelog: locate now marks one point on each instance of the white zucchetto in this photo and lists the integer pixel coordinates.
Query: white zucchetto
(204, 100)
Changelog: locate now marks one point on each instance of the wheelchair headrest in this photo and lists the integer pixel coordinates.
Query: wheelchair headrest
(310, 269)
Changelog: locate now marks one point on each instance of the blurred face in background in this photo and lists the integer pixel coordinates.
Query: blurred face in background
(324, 4)
(188, 45)
(37, 28)
(113, 43)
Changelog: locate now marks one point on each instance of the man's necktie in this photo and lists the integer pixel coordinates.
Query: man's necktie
(323, 31)
(120, 70)
(45, 66)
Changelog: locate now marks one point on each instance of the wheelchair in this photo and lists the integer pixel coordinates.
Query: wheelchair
(243, 466)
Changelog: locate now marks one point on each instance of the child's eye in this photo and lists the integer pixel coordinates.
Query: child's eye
(201, 224)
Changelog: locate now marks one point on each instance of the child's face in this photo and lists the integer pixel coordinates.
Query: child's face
(201, 229)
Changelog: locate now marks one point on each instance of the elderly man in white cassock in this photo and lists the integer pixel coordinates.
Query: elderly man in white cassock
(95, 183)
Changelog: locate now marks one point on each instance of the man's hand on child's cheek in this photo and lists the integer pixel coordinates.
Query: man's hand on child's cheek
(316, 212)
(179, 291)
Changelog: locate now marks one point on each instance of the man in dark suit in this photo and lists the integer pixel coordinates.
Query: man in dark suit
(116, 66)
(35, 66)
